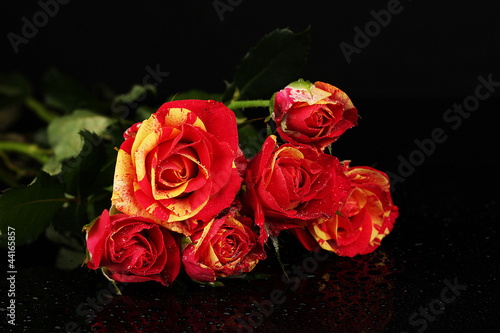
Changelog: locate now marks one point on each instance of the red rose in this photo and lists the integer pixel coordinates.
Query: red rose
(132, 249)
(313, 114)
(288, 186)
(366, 217)
(178, 166)
(225, 246)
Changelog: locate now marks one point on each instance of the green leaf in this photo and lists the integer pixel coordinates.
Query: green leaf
(271, 108)
(86, 177)
(71, 217)
(64, 137)
(269, 130)
(63, 92)
(185, 241)
(251, 140)
(301, 84)
(89, 225)
(274, 62)
(71, 253)
(82, 174)
(136, 94)
(123, 105)
(66, 239)
(68, 259)
(52, 166)
(30, 209)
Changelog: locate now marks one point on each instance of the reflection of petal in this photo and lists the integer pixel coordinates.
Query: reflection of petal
(342, 294)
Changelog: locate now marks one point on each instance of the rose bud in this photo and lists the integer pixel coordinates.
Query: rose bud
(366, 217)
(312, 114)
(224, 247)
(132, 249)
(289, 186)
(178, 166)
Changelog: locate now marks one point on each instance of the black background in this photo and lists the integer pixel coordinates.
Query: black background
(427, 59)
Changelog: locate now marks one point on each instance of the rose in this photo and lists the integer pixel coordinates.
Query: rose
(312, 114)
(132, 249)
(178, 166)
(366, 217)
(225, 246)
(289, 186)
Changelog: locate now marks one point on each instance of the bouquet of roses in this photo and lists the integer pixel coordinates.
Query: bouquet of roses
(184, 195)
(188, 195)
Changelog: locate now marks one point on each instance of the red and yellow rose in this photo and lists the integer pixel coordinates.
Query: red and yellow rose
(290, 186)
(132, 249)
(312, 114)
(365, 218)
(224, 247)
(178, 176)
(178, 166)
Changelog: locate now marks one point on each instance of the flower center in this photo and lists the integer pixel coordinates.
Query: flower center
(175, 171)
(320, 120)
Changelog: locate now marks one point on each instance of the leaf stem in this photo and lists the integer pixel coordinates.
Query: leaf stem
(32, 150)
(40, 110)
(248, 104)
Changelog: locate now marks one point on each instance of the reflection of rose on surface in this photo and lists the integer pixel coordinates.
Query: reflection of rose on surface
(358, 293)
(135, 312)
(344, 295)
